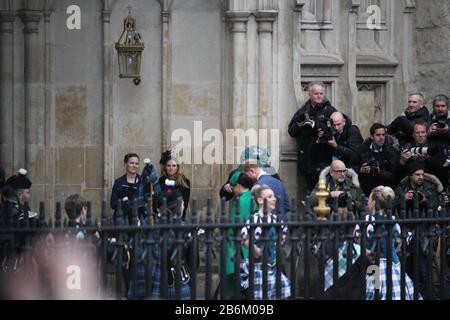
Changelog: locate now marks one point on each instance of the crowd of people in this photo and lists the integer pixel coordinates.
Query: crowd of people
(403, 163)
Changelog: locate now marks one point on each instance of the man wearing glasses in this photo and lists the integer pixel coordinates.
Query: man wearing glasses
(341, 183)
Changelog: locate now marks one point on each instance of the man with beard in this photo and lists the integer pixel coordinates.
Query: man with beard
(341, 183)
(426, 188)
(303, 127)
(438, 122)
(401, 127)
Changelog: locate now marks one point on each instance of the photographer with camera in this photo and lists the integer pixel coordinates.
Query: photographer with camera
(438, 121)
(420, 183)
(303, 128)
(401, 127)
(432, 155)
(341, 183)
(376, 160)
(426, 188)
(337, 139)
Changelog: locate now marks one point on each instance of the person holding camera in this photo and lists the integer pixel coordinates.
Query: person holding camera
(337, 140)
(438, 121)
(401, 127)
(426, 188)
(432, 155)
(376, 160)
(303, 127)
(341, 183)
(418, 183)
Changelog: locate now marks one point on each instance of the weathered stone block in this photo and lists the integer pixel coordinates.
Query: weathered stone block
(70, 165)
(71, 115)
(94, 167)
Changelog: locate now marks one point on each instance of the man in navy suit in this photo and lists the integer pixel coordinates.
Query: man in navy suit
(259, 176)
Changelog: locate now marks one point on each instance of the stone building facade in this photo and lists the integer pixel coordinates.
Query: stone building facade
(207, 64)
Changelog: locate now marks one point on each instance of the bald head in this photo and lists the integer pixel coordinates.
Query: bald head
(338, 171)
(338, 121)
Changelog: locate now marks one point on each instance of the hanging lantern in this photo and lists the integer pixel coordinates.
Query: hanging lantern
(129, 50)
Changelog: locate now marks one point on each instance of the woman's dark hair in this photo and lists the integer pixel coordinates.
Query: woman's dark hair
(130, 155)
(245, 181)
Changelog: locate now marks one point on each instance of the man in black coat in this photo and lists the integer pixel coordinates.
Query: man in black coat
(438, 122)
(401, 127)
(432, 155)
(303, 127)
(376, 160)
(339, 142)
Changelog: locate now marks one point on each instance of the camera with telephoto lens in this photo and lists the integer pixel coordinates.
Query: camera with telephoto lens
(423, 150)
(328, 131)
(441, 121)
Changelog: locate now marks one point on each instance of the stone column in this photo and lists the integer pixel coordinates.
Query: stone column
(238, 20)
(6, 91)
(265, 21)
(107, 54)
(408, 64)
(296, 49)
(49, 107)
(34, 103)
(166, 79)
(351, 60)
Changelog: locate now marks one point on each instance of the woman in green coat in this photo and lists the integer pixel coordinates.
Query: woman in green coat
(240, 184)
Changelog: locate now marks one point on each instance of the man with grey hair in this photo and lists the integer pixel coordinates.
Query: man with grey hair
(401, 127)
(304, 127)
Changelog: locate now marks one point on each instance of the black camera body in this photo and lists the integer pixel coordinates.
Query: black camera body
(441, 121)
(328, 131)
(420, 196)
(305, 119)
(342, 200)
(374, 165)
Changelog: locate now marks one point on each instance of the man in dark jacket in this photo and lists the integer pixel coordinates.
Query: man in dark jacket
(432, 155)
(339, 143)
(418, 183)
(438, 122)
(426, 187)
(340, 183)
(401, 127)
(303, 127)
(376, 160)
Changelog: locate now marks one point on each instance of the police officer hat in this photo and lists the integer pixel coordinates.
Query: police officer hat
(19, 180)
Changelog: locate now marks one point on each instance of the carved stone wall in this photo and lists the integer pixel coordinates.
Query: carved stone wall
(68, 118)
